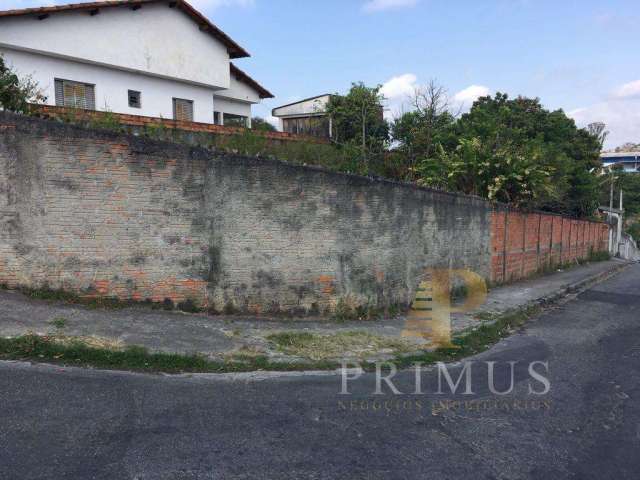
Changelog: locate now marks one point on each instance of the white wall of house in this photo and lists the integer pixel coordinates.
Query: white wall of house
(111, 86)
(240, 91)
(311, 106)
(234, 107)
(155, 39)
(156, 50)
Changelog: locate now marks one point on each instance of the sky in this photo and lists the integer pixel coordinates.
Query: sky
(577, 55)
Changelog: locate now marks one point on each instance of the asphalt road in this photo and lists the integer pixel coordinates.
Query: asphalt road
(80, 424)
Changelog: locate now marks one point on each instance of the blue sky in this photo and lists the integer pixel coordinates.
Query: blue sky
(581, 56)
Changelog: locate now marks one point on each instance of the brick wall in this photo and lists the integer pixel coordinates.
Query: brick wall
(101, 213)
(523, 244)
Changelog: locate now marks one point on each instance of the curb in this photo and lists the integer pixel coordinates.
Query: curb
(569, 290)
(579, 287)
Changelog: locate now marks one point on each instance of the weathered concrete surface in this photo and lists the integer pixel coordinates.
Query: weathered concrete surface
(81, 424)
(108, 214)
(220, 336)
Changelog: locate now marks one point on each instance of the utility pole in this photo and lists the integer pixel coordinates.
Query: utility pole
(620, 222)
(611, 195)
(610, 214)
(364, 135)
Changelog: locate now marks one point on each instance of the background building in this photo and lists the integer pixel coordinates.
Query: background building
(307, 117)
(630, 161)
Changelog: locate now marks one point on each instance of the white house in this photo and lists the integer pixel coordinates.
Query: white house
(157, 58)
(308, 117)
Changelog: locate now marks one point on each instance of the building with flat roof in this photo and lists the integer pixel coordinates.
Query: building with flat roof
(629, 161)
(307, 117)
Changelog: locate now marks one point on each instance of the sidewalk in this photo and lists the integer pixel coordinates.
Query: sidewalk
(223, 337)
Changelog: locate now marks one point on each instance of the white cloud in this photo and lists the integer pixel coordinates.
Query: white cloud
(378, 5)
(470, 94)
(631, 89)
(620, 111)
(401, 86)
(398, 92)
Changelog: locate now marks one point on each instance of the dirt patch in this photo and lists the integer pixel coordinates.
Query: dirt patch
(359, 345)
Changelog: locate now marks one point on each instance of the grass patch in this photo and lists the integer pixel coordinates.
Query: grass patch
(599, 256)
(322, 347)
(75, 351)
(347, 310)
(58, 322)
(485, 316)
(58, 295)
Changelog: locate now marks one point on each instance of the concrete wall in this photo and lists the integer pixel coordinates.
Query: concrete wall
(240, 91)
(628, 248)
(106, 214)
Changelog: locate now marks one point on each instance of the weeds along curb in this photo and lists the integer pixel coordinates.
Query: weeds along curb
(45, 349)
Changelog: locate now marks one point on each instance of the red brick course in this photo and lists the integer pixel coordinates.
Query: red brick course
(50, 111)
(523, 244)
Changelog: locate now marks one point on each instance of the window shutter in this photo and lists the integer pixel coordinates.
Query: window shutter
(90, 97)
(59, 93)
(75, 95)
(183, 110)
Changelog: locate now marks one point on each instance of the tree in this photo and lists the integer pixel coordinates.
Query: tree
(358, 120)
(509, 173)
(597, 129)
(16, 93)
(516, 151)
(261, 125)
(429, 124)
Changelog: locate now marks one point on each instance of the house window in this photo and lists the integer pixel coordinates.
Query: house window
(217, 118)
(183, 110)
(75, 94)
(134, 99)
(235, 120)
(317, 126)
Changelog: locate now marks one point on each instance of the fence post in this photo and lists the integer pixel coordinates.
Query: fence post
(538, 247)
(504, 245)
(561, 238)
(524, 242)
